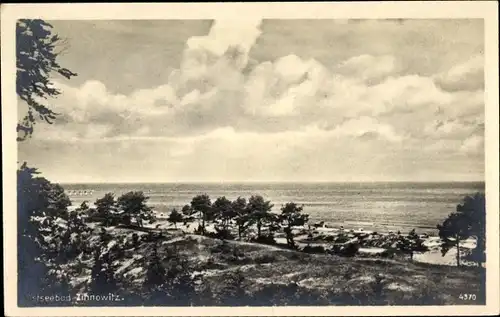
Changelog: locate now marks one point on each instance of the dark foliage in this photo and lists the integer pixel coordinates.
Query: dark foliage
(468, 220)
(175, 217)
(411, 244)
(259, 210)
(347, 250)
(36, 60)
(133, 205)
(170, 281)
(202, 205)
(313, 249)
(42, 223)
(265, 239)
(291, 215)
(242, 216)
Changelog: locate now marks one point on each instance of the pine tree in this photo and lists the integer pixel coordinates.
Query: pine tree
(154, 283)
(468, 220)
(411, 244)
(133, 205)
(202, 205)
(242, 215)
(223, 213)
(105, 208)
(259, 211)
(103, 280)
(175, 217)
(36, 61)
(291, 215)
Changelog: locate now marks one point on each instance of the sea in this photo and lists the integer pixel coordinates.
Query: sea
(381, 207)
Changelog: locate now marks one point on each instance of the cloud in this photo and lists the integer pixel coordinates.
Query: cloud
(473, 145)
(309, 153)
(467, 76)
(368, 128)
(286, 94)
(227, 34)
(292, 114)
(368, 68)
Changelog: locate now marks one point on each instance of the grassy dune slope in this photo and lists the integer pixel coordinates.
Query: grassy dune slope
(259, 274)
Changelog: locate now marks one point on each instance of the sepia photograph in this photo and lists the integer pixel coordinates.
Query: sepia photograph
(249, 161)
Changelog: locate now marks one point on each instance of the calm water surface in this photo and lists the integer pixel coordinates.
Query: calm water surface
(371, 206)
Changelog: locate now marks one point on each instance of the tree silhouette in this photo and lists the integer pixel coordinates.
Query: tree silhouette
(169, 280)
(84, 207)
(291, 215)
(105, 207)
(36, 60)
(186, 210)
(43, 222)
(202, 205)
(223, 213)
(468, 220)
(133, 204)
(242, 215)
(154, 282)
(411, 244)
(32, 199)
(175, 217)
(259, 211)
(103, 280)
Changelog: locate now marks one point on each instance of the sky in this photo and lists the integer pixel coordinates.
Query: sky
(266, 100)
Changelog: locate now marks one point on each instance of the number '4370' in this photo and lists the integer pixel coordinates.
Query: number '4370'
(467, 296)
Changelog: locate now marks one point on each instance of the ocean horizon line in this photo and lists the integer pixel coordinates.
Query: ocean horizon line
(275, 182)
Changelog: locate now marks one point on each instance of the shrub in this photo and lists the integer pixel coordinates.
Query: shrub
(314, 249)
(233, 292)
(342, 238)
(387, 254)
(265, 239)
(221, 233)
(135, 240)
(348, 250)
(200, 230)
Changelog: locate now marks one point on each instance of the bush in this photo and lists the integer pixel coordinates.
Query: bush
(199, 230)
(223, 234)
(342, 239)
(265, 239)
(387, 254)
(233, 292)
(346, 250)
(314, 249)
(135, 240)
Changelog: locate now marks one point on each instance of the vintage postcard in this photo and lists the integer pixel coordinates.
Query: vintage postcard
(250, 159)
